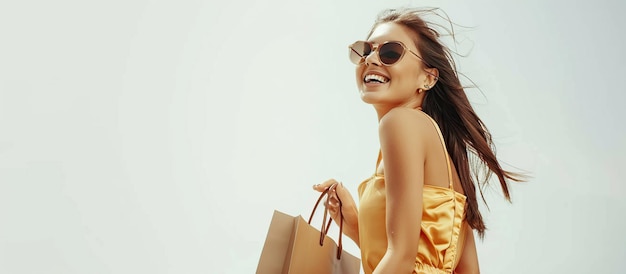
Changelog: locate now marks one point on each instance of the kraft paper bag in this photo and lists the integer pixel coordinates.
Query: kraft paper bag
(293, 246)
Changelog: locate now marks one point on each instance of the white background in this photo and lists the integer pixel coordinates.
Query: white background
(159, 136)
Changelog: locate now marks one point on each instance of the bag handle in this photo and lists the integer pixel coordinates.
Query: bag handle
(326, 226)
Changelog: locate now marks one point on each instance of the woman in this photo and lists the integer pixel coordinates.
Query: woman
(417, 211)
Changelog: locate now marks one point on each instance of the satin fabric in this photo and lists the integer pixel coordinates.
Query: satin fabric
(441, 227)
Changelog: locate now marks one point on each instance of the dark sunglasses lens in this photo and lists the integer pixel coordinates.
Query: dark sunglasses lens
(390, 53)
(358, 51)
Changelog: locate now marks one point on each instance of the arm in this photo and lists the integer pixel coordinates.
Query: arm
(468, 264)
(404, 151)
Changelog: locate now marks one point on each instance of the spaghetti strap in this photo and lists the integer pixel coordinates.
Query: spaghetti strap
(380, 157)
(445, 151)
(443, 211)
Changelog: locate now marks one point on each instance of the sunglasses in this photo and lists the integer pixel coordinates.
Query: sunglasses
(389, 52)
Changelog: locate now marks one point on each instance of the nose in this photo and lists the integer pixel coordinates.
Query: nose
(372, 58)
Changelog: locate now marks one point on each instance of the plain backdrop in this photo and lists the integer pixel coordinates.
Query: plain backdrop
(156, 136)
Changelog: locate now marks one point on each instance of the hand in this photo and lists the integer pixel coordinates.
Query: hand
(348, 207)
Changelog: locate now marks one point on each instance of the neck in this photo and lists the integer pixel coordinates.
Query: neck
(382, 109)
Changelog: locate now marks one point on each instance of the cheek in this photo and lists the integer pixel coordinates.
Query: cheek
(406, 77)
(358, 71)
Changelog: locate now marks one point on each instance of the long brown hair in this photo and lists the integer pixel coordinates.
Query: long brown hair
(466, 136)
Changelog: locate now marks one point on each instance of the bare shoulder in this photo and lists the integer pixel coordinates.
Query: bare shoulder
(411, 122)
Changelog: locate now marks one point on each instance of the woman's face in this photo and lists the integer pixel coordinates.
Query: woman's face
(400, 81)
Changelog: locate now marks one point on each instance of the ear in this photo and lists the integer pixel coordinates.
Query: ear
(432, 76)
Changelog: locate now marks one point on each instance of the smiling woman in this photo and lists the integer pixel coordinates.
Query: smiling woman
(423, 181)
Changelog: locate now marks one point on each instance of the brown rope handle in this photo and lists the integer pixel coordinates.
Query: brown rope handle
(326, 226)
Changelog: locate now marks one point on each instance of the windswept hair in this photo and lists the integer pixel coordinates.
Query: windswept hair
(466, 136)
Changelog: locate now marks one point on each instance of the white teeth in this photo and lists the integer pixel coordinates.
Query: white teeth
(375, 77)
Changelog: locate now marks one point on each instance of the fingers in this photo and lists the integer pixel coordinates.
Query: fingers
(336, 195)
(339, 192)
(333, 199)
(323, 186)
(333, 205)
(334, 212)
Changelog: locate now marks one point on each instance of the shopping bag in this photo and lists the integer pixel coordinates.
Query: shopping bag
(294, 246)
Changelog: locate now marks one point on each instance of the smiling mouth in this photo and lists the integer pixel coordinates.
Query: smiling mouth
(375, 78)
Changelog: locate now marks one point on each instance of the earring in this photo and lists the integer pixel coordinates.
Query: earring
(419, 90)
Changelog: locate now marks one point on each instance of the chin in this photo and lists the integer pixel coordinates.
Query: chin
(371, 97)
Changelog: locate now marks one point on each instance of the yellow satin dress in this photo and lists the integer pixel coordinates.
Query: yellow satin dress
(442, 227)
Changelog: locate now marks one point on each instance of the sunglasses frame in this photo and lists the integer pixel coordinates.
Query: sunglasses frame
(376, 48)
